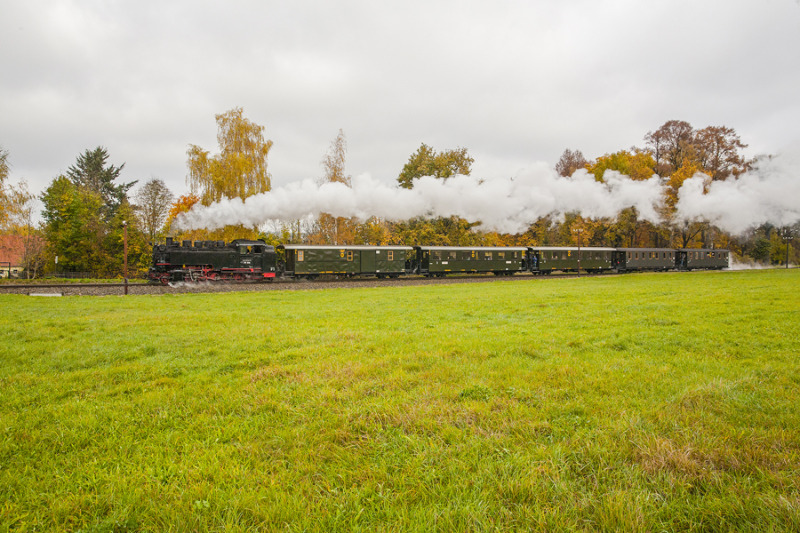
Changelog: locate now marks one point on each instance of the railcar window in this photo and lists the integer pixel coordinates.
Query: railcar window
(488, 256)
(501, 255)
(555, 255)
(453, 255)
(349, 255)
(390, 253)
(300, 256)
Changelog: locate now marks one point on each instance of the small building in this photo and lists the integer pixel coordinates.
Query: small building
(12, 252)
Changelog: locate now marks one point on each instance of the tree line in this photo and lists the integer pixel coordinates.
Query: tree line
(88, 210)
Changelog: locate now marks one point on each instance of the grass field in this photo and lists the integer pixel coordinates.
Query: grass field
(666, 402)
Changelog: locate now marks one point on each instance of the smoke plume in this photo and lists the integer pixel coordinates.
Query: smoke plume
(769, 193)
(507, 205)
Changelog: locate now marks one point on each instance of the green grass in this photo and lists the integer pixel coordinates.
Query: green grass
(661, 402)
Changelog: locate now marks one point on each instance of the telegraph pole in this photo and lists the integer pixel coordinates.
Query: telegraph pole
(579, 232)
(125, 252)
(786, 234)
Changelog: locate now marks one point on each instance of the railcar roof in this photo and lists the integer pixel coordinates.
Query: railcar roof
(574, 248)
(476, 248)
(342, 247)
(646, 249)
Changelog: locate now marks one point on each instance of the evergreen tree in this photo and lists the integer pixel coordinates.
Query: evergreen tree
(92, 173)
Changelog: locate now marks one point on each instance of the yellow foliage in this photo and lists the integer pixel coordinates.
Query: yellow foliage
(688, 168)
(239, 170)
(637, 165)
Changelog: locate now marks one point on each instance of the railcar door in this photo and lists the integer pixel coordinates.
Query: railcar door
(681, 260)
(533, 260)
(368, 261)
(618, 261)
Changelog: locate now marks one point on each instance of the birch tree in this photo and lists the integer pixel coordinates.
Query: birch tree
(240, 168)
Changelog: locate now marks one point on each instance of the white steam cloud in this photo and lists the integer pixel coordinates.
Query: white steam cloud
(770, 193)
(506, 205)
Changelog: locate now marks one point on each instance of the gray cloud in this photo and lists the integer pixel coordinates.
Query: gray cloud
(514, 82)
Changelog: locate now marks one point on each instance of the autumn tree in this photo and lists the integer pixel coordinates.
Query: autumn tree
(681, 152)
(330, 229)
(5, 200)
(715, 150)
(718, 150)
(239, 170)
(183, 205)
(92, 173)
(569, 162)
(685, 231)
(17, 217)
(636, 164)
(139, 252)
(82, 208)
(626, 229)
(73, 225)
(427, 162)
(670, 145)
(153, 202)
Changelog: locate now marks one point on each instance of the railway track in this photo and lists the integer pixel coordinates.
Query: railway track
(117, 289)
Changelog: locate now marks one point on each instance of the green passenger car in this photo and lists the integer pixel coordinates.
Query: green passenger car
(632, 259)
(546, 259)
(702, 258)
(309, 261)
(442, 260)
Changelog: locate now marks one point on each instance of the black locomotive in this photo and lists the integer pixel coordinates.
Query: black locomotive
(239, 260)
(246, 260)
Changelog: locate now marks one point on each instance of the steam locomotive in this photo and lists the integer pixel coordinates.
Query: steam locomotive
(254, 260)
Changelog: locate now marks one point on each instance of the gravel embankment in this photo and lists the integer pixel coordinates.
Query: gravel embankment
(77, 289)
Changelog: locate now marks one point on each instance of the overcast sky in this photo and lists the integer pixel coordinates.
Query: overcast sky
(514, 82)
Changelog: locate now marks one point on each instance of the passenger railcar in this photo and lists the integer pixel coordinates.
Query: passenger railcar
(546, 259)
(438, 261)
(308, 261)
(644, 259)
(701, 258)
